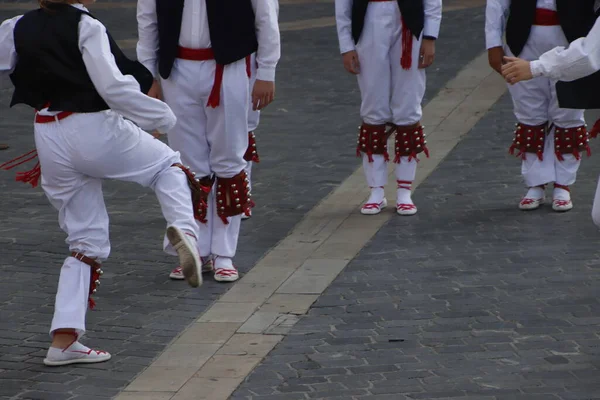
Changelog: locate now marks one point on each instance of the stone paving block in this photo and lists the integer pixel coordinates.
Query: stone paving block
(144, 396)
(229, 312)
(228, 366)
(207, 388)
(186, 355)
(156, 379)
(250, 345)
(289, 303)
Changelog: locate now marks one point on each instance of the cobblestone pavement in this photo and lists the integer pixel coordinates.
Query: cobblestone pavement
(470, 299)
(306, 142)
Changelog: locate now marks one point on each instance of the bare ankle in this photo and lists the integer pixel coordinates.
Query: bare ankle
(63, 338)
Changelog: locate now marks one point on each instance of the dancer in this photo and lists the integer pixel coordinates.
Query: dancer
(200, 50)
(548, 138)
(388, 44)
(581, 59)
(84, 134)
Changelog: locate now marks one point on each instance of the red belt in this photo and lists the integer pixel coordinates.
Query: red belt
(44, 119)
(545, 17)
(407, 42)
(205, 55)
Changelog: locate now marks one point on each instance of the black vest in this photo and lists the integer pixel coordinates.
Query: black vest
(576, 19)
(231, 25)
(581, 94)
(413, 13)
(50, 67)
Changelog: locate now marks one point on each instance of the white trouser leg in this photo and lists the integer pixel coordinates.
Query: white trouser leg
(82, 215)
(227, 134)
(374, 82)
(373, 48)
(75, 155)
(376, 171)
(186, 92)
(406, 170)
(408, 86)
(565, 170)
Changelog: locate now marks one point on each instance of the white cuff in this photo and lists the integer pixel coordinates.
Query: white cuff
(491, 42)
(537, 68)
(346, 45)
(431, 28)
(265, 74)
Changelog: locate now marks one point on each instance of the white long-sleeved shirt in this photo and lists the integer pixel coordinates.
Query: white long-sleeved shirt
(195, 34)
(581, 58)
(343, 17)
(496, 15)
(121, 93)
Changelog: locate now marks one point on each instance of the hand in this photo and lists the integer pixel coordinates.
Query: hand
(156, 134)
(351, 62)
(263, 94)
(495, 58)
(516, 70)
(427, 53)
(155, 91)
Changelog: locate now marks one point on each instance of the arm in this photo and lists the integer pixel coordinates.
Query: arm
(581, 58)
(121, 93)
(496, 14)
(8, 54)
(147, 46)
(269, 43)
(343, 18)
(433, 19)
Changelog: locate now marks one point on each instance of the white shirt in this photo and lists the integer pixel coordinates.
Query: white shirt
(121, 93)
(343, 17)
(496, 15)
(195, 34)
(581, 58)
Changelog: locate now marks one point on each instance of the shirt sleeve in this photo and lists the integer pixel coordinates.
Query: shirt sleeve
(496, 15)
(343, 19)
(147, 46)
(121, 93)
(269, 41)
(8, 54)
(433, 18)
(580, 59)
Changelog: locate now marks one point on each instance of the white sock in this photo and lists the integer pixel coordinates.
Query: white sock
(535, 193)
(377, 195)
(404, 192)
(223, 263)
(561, 194)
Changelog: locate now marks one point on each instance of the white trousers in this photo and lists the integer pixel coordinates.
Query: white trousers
(253, 116)
(75, 155)
(210, 140)
(389, 93)
(535, 103)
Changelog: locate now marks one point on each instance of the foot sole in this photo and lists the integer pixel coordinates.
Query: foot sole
(189, 262)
